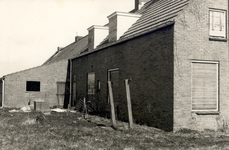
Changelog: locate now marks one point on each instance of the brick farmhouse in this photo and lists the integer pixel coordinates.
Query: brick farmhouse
(174, 54)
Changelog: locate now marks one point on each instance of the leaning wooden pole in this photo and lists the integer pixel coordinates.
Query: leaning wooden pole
(129, 103)
(85, 108)
(112, 104)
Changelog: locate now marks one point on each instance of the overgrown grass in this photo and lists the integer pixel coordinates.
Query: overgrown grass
(69, 131)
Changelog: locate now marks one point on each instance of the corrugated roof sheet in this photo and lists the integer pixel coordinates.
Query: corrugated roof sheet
(69, 51)
(155, 13)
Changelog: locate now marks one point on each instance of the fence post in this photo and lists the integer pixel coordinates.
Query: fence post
(85, 108)
(112, 104)
(129, 103)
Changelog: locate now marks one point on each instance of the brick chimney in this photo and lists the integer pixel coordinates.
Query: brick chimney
(120, 22)
(140, 3)
(77, 38)
(96, 34)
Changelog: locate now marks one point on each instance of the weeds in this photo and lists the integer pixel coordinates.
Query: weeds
(64, 131)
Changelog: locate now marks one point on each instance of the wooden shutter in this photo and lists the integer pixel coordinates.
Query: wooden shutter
(60, 92)
(91, 83)
(204, 86)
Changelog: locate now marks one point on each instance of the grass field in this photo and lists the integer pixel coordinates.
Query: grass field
(34, 130)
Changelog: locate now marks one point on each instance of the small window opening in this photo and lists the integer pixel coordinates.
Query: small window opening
(33, 86)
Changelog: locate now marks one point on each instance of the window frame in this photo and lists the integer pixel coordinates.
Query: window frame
(217, 86)
(88, 91)
(213, 34)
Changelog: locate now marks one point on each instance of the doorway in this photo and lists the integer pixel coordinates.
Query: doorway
(113, 76)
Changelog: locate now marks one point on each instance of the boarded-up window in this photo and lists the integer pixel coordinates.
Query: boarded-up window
(217, 23)
(91, 83)
(60, 92)
(33, 86)
(205, 86)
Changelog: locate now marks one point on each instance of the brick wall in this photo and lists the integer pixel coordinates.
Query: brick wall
(15, 84)
(148, 62)
(191, 41)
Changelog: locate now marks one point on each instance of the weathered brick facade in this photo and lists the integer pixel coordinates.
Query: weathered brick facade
(191, 42)
(158, 65)
(48, 75)
(148, 62)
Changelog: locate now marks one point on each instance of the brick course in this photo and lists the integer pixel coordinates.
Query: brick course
(191, 42)
(148, 62)
(15, 84)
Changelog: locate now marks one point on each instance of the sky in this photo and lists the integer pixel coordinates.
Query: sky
(31, 30)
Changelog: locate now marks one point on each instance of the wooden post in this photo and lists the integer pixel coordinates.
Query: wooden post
(112, 104)
(129, 103)
(84, 108)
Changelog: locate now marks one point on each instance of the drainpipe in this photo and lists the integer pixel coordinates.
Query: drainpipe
(70, 93)
(3, 91)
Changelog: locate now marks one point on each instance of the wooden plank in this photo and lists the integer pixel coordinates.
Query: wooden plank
(204, 86)
(85, 108)
(129, 103)
(112, 105)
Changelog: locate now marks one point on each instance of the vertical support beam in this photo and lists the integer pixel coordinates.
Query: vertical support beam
(70, 93)
(3, 91)
(85, 108)
(129, 103)
(112, 104)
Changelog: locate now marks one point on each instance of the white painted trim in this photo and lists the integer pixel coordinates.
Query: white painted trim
(118, 13)
(205, 61)
(98, 27)
(212, 33)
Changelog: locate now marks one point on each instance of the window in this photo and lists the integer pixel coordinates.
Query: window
(204, 86)
(33, 86)
(91, 83)
(217, 23)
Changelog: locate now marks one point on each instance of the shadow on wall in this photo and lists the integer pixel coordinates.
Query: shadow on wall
(67, 87)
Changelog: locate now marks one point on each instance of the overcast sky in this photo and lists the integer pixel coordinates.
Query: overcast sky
(31, 30)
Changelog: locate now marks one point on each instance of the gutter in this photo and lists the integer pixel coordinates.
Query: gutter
(70, 93)
(3, 91)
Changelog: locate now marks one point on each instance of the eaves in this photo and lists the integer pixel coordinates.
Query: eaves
(125, 39)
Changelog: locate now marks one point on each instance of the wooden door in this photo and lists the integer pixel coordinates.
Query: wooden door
(60, 93)
(74, 90)
(113, 76)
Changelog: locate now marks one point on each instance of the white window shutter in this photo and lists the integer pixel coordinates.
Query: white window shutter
(217, 23)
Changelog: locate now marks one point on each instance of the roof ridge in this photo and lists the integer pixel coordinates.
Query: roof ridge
(31, 68)
(63, 50)
(158, 11)
(157, 16)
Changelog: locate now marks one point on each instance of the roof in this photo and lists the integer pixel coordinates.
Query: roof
(155, 13)
(69, 51)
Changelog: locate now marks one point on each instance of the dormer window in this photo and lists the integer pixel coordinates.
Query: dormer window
(217, 23)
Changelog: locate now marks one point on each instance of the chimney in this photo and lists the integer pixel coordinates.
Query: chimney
(96, 34)
(59, 48)
(119, 23)
(77, 38)
(140, 3)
